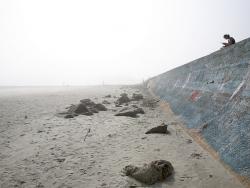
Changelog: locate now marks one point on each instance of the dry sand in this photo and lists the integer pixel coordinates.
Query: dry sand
(43, 150)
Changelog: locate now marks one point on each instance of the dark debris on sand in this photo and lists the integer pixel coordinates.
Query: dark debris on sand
(137, 97)
(162, 129)
(124, 99)
(130, 111)
(88, 107)
(151, 173)
(85, 107)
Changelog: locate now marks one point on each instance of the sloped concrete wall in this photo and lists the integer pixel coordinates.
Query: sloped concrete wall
(212, 95)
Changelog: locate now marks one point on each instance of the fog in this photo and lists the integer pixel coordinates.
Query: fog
(58, 42)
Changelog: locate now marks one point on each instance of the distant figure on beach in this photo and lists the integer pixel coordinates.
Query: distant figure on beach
(230, 40)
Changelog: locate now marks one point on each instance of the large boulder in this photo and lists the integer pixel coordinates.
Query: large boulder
(151, 173)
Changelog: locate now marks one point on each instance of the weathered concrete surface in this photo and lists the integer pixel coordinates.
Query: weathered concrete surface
(212, 95)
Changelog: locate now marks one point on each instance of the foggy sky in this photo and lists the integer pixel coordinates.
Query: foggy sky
(58, 42)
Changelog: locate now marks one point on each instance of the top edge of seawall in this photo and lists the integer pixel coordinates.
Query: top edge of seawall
(220, 52)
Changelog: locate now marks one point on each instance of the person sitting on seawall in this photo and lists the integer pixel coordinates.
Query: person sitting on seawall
(230, 40)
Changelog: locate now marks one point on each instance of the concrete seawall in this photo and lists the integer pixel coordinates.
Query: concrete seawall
(212, 96)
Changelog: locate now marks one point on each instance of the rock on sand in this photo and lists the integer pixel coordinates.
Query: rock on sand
(131, 111)
(123, 99)
(162, 129)
(137, 97)
(150, 173)
(86, 107)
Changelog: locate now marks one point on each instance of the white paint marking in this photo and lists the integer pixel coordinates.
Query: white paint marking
(187, 80)
(238, 89)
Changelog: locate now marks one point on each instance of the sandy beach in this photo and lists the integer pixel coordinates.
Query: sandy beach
(40, 149)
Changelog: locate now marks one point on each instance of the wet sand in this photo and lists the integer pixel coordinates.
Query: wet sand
(40, 149)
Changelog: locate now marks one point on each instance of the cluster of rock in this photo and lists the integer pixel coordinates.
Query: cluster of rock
(130, 111)
(150, 173)
(125, 99)
(85, 107)
(88, 107)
